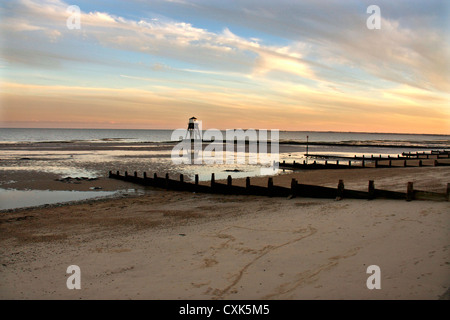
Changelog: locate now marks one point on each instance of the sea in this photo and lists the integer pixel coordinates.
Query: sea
(18, 135)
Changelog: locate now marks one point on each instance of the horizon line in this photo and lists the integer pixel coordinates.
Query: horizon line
(318, 131)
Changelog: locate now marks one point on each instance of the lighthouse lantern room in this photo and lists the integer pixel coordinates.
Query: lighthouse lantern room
(193, 129)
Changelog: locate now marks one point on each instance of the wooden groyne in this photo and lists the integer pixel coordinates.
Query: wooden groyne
(271, 190)
(434, 154)
(358, 163)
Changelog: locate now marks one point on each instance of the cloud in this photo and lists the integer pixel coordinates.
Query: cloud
(322, 37)
(169, 39)
(412, 46)
(313, 60)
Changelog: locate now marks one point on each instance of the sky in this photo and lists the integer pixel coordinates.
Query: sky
(290, 65)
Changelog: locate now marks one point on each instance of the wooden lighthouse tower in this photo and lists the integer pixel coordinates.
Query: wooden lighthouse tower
(193, 130)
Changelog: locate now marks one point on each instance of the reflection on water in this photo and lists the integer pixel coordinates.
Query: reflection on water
(60, 170)
(12, 199)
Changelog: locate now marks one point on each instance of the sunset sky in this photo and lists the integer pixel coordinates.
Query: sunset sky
(288, 65)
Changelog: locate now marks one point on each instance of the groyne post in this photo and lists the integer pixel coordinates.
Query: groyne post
(270, 186)
(410, 191)
(371, 190)
(340, 190)
(293, 187)
(213, 182)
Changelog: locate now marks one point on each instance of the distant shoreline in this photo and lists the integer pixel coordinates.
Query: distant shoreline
(280, 130)
(441, 145)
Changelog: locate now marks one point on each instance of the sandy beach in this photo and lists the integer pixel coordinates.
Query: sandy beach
(181, 245)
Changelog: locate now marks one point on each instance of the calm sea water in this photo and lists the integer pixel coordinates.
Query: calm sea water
(101, 135)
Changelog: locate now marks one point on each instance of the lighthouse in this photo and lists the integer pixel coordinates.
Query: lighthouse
(193, 129)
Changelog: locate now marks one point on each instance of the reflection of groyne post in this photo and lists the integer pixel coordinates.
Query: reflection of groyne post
(247, 183)
(213, 182)
(448, 192)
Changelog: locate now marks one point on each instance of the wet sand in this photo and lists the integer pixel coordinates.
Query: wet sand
(181, 245)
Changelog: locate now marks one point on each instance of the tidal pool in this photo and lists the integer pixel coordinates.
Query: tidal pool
(12, 198)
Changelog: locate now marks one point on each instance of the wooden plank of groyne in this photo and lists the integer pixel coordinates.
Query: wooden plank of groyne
(438, 163)
(311, 191)
(426, 195)
(389, 194)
